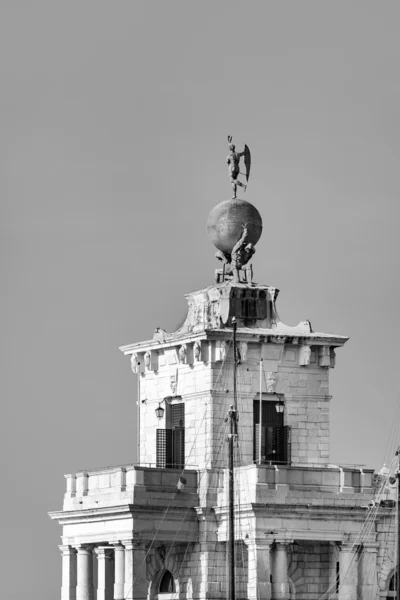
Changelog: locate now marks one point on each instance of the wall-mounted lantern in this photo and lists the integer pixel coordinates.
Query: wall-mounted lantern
(160, 411)
(168, 399)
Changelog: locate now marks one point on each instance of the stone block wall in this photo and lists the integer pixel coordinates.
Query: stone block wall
(310, 570)
(204, 381)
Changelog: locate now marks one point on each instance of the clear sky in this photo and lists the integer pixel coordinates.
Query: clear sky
(113, 120)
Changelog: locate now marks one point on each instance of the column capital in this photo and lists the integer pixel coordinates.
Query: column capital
(348, 546)
(283, 544)
(132, 544)
(259, 542)
(104, 551)
(67, 550)
(370, 546)
(84, 548)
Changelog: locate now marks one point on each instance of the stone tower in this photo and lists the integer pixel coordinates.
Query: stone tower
(158, 528)
(184, 369)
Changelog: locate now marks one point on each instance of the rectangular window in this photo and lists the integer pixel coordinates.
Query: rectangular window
(275, 436)
(171, 441)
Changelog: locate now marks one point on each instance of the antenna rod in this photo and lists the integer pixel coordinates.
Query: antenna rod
(260, 417)
(234, 323)
(397, 572)
(138, 415)
(231, 438)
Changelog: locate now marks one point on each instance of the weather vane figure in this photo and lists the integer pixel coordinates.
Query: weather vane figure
(233, 160)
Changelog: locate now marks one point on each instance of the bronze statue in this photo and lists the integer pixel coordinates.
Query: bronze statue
(239, 257)
(233, 160)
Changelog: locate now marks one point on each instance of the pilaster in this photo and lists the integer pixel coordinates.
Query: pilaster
(68, 584)
(348, 571)
(368, 570)
(105, 564)
(135, 571)
(259, 570)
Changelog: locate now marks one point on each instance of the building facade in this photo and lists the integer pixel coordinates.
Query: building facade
(304, 528)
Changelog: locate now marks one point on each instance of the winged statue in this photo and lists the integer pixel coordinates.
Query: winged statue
(233, 160)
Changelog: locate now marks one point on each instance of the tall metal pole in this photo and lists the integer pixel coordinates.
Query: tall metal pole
(231, 439)
(260, 417)
(234, 363)
(397, 575)
(138, 416)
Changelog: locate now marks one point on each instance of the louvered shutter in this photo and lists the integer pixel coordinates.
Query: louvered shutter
(178, 415)
(179, 447)
(178, 433)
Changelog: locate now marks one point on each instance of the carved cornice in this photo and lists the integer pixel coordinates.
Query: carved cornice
(126, 511)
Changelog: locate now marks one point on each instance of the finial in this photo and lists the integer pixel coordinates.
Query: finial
(233, 160)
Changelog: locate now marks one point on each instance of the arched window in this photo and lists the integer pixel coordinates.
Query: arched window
(167, 585)
(391, 593)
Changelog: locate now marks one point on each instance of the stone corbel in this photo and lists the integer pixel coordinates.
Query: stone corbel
(243, 351)
(277, 339)
(197, 352)
(137, 363)
(221, 349)
(332, 358)
(151, 360)
(182, 354)
(324, 356)
(304, 355)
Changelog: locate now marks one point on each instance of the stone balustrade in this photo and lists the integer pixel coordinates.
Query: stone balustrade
(318, 485)
(126, 484)
(330, 478)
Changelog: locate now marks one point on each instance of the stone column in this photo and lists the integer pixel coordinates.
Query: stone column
(280, 579)
(84, 589)
(135, 571)
(105, 575)
(348, 572)
(119, 572)
(68, 585)
(367, 571)
(259, 570)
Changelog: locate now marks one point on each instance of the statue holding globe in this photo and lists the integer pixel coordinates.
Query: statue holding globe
(234, 227)
(238, 258)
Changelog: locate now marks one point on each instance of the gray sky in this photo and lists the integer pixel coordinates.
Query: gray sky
(113, 120)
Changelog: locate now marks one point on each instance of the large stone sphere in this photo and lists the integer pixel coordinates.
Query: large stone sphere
(224, 225)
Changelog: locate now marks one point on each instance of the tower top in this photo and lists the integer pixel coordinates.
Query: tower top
(235, 226)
